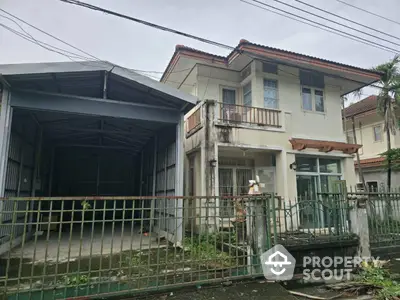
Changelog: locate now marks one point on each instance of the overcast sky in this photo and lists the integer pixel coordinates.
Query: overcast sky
(136, 46)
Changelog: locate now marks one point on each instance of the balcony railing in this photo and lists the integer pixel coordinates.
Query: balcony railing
(237, 114)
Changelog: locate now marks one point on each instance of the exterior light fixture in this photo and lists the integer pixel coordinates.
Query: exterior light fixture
(213, 163)
(293, 166)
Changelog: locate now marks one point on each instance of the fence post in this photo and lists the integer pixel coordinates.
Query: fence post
(359, 223)
(258, 224)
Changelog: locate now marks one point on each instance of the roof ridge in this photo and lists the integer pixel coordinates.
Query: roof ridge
(244, 42)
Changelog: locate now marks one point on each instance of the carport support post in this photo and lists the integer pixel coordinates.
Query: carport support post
(38, 156)
(5, 129)
(141, 174)
(20, 170)
(53, 154)
(153, 200)
(179, 169)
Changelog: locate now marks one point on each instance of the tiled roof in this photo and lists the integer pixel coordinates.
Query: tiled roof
(371, 162)
(244, 43)
(365, 105)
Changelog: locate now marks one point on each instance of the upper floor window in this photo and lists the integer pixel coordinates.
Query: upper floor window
(377, 133)
(313, 99)
(247, 94)
(228, 96)
(319, 101)
(307, 100)
(270, 68)
(270, 93)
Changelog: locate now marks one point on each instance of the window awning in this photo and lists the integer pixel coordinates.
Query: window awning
(324, 146)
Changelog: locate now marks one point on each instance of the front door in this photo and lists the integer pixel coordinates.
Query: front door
(308, 210)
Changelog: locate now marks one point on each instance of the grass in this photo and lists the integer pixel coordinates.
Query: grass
(380, 277)
(75, 280)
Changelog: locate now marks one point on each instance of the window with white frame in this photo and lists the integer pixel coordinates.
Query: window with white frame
(319, 100)
(377, 133)
(247, 94)
(314, 176)
(313, 99)
(306, 97)
(270, 93)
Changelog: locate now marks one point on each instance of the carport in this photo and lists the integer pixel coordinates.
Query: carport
(75, 129)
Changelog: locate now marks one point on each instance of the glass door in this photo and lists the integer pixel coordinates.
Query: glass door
(308, 207)
(229, 103)
(225, 177)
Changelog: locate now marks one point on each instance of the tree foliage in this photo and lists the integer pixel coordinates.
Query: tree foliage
(392, 156)
(389, 94)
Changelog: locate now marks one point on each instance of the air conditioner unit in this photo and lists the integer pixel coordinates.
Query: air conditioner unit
(234, 117)
(360, 187)
(231, 115)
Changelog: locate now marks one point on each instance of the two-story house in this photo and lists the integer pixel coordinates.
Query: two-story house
(369, 131)
(267, 112)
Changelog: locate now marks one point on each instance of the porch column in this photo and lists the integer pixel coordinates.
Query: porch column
(210, 161)
(281, 174)
(210, 148)
(290, 199)
(349, 172)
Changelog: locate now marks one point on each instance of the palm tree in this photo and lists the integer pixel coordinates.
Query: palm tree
(388, 96)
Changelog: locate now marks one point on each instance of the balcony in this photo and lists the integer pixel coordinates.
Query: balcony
(247, 115)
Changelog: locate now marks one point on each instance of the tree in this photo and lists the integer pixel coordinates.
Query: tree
(388, 96)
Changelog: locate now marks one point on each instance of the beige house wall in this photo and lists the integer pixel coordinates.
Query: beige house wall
(364, 128)
(296, 123)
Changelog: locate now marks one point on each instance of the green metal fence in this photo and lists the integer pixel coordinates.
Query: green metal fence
(324, 219)
(383, 209)
(57, 248)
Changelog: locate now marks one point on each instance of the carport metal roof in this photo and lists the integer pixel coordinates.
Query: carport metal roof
(126, 108)
(93, 79)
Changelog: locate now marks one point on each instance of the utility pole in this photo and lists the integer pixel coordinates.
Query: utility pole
(360, 172)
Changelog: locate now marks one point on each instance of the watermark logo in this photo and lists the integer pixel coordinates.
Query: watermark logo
(328, 268)
(278, 264)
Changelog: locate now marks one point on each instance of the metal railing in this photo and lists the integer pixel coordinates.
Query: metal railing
(59, 247)
(238, 114)
(383, 210)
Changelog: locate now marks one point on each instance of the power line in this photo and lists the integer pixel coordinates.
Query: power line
(243, 52)
(313, 25)
(369, 12)
(347, 19)
(30, 38)
(41, 44)
(48, 34)
(93, 7)
(326, 26)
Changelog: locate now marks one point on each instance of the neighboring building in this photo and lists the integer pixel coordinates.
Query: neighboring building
(369, 128)
(266, 112)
